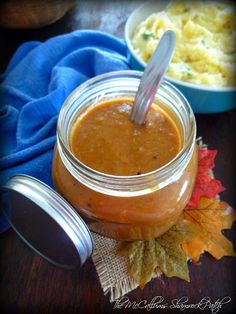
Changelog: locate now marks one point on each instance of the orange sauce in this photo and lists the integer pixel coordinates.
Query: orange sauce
(106, 140)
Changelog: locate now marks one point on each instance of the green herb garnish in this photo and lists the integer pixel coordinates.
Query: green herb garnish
(148, 35)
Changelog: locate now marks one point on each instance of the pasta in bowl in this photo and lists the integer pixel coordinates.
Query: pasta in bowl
(204, 64)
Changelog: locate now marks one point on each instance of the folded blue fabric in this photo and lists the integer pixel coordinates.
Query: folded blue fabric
(33, 88)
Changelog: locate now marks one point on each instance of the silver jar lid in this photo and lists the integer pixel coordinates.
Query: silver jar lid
(46, 222)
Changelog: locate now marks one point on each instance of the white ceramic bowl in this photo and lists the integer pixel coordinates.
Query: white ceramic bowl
(202, 98)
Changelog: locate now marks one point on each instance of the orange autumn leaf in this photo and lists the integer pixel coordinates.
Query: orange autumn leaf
(212, 217)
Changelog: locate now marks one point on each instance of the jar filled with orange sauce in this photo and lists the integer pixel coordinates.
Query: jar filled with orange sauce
(128, 182)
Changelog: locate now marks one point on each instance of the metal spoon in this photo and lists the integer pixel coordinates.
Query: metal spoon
(152, 77)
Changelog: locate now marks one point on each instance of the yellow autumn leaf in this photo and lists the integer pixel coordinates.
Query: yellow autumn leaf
(212, 217)
(164, 252)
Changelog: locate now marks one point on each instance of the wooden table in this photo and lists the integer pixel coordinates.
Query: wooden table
(30, 284)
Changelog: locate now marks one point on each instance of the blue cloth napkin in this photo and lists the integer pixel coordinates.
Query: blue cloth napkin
(33, 88)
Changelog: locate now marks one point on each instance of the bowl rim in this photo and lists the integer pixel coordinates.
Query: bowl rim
(195, 86)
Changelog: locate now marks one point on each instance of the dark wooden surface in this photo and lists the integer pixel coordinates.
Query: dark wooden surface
(30, 284)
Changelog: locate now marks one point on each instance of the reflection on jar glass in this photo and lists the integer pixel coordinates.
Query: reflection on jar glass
(126, 207)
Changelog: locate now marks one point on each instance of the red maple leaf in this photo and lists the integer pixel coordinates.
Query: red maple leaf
(205, 185)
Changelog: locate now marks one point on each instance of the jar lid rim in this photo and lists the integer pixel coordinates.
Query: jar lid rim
(46, 222)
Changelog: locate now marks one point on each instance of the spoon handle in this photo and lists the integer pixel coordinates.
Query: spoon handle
(152, 76)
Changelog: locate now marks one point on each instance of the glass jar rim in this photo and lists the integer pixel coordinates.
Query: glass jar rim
(63, 147)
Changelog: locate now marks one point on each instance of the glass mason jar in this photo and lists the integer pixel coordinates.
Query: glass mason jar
(126, 207)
